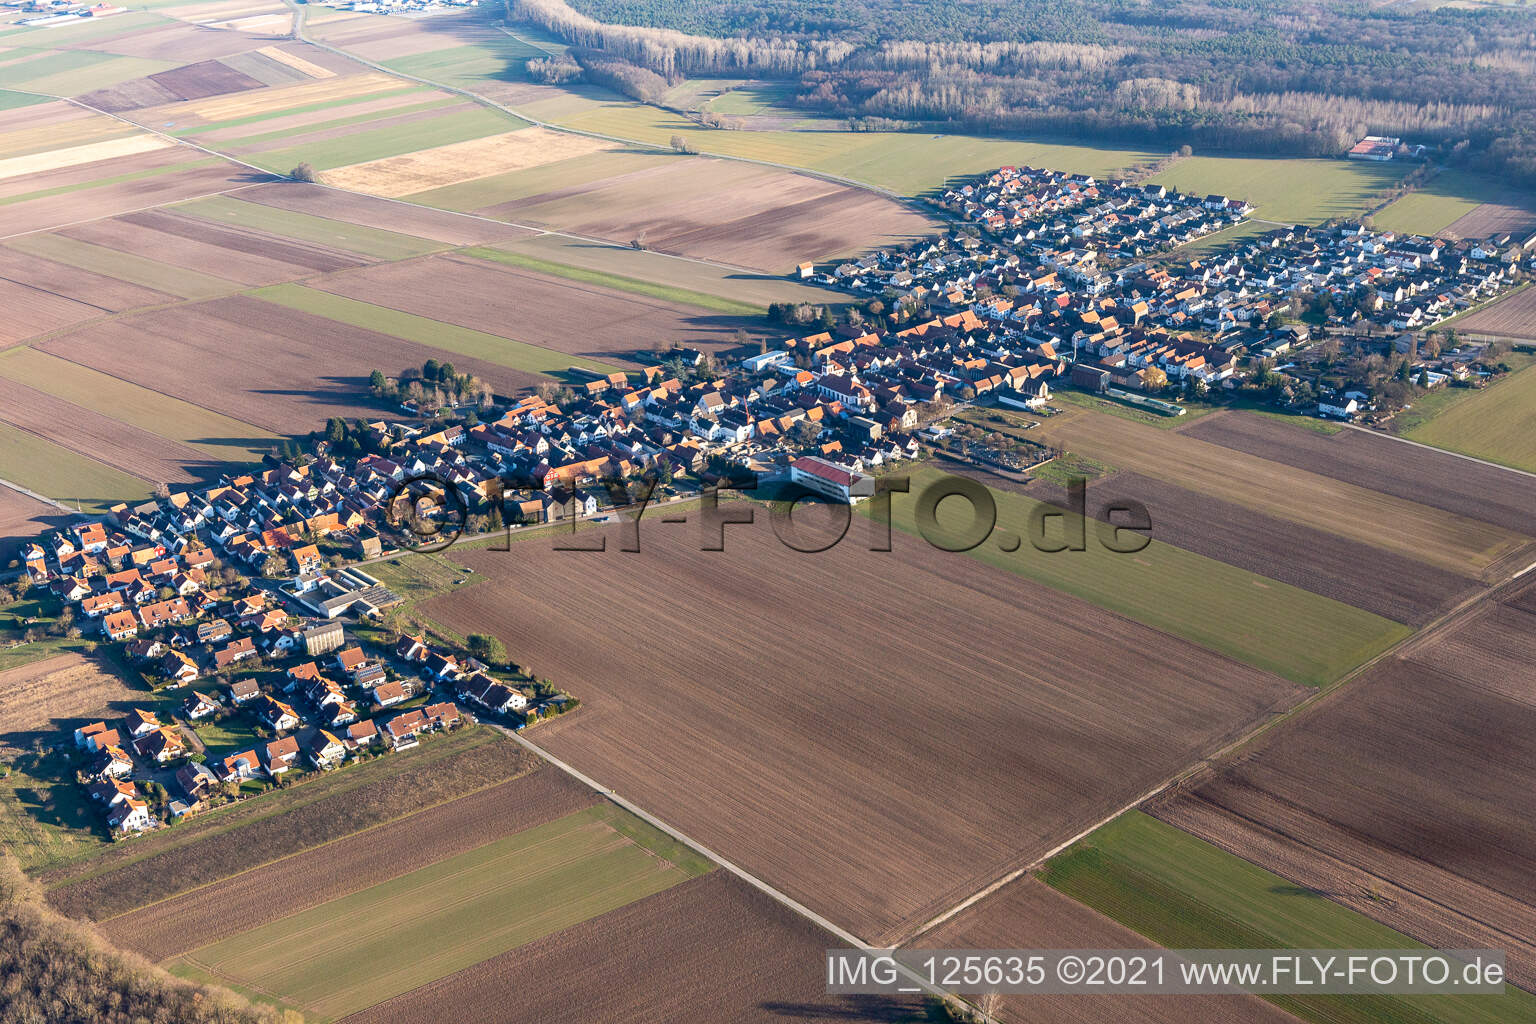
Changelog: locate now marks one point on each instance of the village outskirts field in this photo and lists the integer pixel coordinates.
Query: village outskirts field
(921, 747)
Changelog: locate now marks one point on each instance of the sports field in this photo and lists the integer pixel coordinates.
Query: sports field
(1184, 893)
(342, 956)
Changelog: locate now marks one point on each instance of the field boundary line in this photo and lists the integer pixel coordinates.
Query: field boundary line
(19, 489)
(780, 897)
(1444, 451)
(302, 35)
(1469, 606)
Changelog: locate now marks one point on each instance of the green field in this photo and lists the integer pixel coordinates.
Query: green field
(1497, 424)
(666, 293)
(465, 67)
(235, 122)
(1271, 625)
(390, 141)
(42, 466)
(125, 266)
(72, 72)
(1291, 191)
(239, 144)
(1184, 893)
(218, 436)
(46, 817)
(338, 234)
(451, 915)
(466, 342)
(1447, 196)
(479, 193)
(12, 100)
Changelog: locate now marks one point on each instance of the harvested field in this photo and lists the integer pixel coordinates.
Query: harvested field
(262, 101)
(329, 143)
(303, 229)
(143, 271)
(130, 95)
(1394, 586)
(31, 311)
(1439, 480)
(441, 226)
(740, 214)
(1514, 317)
(710, 949)
(148, 456)
(280, 385)
(85, 176)
(451, 914)
(884, 789)
(42, 698)
(1406, 796)
(1026, 914)
(550, 312)
(308, 68)
(109, 200)
(306, 117)
(1491, 219)
(281, 823)
(461, 161)
(1450, 542)
(22, 519)
(231, 253)
(254, 898)
(93, 152)
(175, 42)
(105, 294)
(217, 438)
(203, 79)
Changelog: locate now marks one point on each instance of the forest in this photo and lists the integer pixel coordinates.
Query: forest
(1298, 77)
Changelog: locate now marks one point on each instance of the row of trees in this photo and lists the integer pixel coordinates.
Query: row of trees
(1259, 75)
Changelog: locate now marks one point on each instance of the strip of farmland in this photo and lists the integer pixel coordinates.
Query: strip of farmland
(1271, 625)
(451, 914)
(1441, 481)
(1455, 543)
(1184, 893)
(874, 771)
(710, 949)
(1407, 796)
(1381, 582)
(253, 898)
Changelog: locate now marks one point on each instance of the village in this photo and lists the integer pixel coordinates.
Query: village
(1052, 265)
(240, 597)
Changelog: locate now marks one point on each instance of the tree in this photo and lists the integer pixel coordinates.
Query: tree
(303, 172)
(682, 145)
(485, 648)
(1423, 381)
(377, 380)
(431, 370)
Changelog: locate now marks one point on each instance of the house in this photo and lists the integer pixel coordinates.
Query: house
(235, 652)
(177, 666)
(213, 631)
(244, 765)
(112, 763)
(362, 734)
(412, 648)
(243, 691)
(279, 756)
(388, 694)
(278, 715)
(197, 781)
(120, 625)
(164, 745)
(306, 559)
(85, 732)
(350, 659)
(96, 742)
(401, 731)
(140, 722)
(324, 750)
(199, 705)
(129, 817)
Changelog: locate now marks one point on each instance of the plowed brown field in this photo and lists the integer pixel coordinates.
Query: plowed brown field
(876, 734)
(710, 949)
(249, 900)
